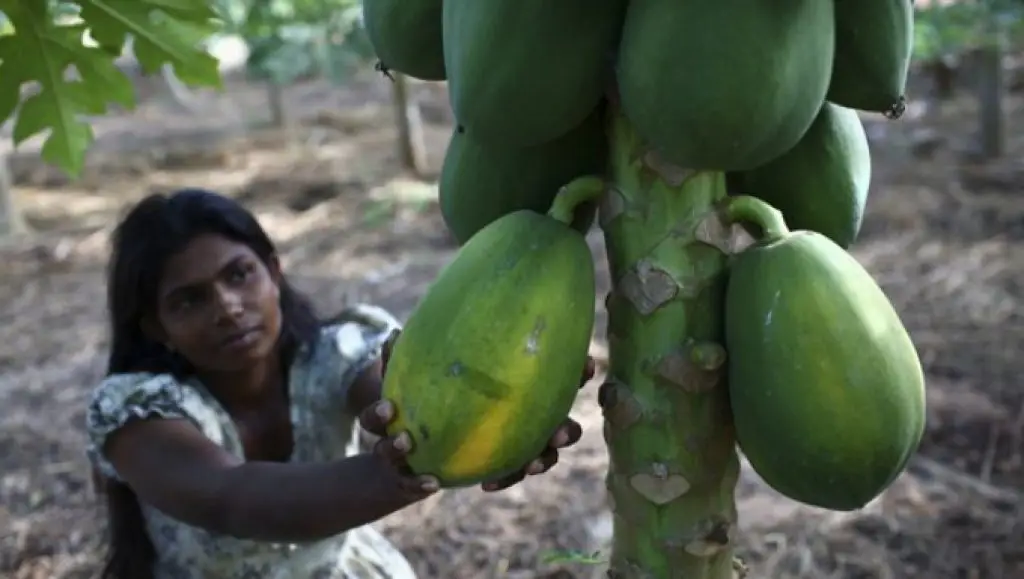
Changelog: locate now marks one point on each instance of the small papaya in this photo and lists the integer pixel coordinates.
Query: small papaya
(826, 387)
(874, 43)
(407, 37)
(821, 184)
(524, 72)
(724, 85)
(481, 180)
(489, 362)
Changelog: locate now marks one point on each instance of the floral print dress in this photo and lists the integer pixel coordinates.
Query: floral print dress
(323, 431)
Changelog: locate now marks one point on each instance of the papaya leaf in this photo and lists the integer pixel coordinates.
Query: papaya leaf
(162, 32)
(64, 52)
(40, 52)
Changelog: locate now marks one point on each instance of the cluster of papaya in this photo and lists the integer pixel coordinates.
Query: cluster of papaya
(826, 388)
(490, 361)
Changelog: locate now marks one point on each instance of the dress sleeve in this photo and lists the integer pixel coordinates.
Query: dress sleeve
(357, 336)
(358, 333)
(122, 398)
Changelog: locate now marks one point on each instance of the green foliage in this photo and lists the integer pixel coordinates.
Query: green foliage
(290, 39)
(950, 29)
(57, 58)
(57, 63)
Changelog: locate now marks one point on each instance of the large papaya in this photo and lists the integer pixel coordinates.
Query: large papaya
(523, 72)
(489, 362)
(874, 42)
(481, 180)
(821, 184)
(826, 387)
(407, 37)
(724, 84)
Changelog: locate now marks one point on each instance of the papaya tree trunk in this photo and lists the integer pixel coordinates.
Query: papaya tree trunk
(673, 464)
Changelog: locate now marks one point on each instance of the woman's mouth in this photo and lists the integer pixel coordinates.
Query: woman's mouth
(242, 339)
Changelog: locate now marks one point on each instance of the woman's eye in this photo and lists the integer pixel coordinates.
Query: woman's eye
(240, 273)
(184, 303)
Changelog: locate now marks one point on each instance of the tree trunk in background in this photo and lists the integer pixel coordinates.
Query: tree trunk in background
(990, 90)
(412, 150)
(275, 103)
(11, 221)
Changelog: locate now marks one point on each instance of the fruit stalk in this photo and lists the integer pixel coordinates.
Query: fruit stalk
(673, 464)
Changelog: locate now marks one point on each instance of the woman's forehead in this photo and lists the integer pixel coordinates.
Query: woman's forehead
(201, 261)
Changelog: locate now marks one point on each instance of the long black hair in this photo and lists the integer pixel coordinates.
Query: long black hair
(155, 229)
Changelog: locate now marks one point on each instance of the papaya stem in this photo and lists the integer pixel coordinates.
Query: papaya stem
(577, 192)
(744, 208)
(673, 466)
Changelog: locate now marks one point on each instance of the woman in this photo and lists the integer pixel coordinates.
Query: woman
(224, 430)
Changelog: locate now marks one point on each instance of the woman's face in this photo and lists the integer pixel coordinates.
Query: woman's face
(218, 304)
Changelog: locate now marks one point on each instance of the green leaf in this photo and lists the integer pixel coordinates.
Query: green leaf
(40, 52)
(164, 37)
(44, 46)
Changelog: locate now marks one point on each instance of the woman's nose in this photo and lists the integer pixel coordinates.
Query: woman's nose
(230, 304)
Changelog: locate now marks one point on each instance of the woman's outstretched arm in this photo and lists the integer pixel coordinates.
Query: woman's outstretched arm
(171, 465)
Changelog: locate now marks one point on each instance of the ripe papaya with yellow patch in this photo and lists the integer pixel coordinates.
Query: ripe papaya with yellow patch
(489, 363)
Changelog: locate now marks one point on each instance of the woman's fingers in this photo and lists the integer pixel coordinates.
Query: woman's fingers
(539, 465)
(421, 485)
(376, 417)
(567, 434)
(394, 449)
(504, 482)
(543, 463)
(589, 369)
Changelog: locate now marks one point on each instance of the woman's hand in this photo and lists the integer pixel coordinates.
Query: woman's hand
(394, 449)
(378, 415)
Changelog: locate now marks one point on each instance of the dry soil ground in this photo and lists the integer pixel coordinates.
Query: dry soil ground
(945, 238)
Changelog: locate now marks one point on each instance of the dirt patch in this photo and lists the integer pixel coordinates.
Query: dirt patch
(945, 237)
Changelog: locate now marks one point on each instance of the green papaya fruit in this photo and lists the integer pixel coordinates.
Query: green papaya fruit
(821, 184)
(874, 43)
(826, 387)
(724, 84)
(407, 37)
(524, 72)
(489, 363)
(482, 181)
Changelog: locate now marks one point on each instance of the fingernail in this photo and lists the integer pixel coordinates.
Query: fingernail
(535, 467)
(560, 439)
(430, 485)
(402, 442)
(383, 410)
